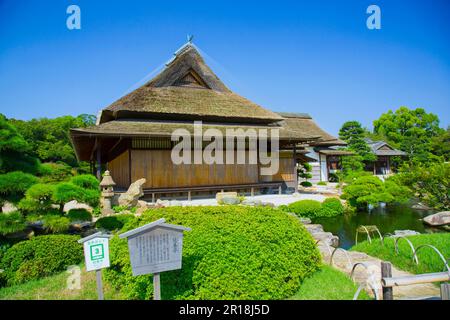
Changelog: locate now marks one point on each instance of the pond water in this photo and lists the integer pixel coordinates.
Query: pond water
(386, 219)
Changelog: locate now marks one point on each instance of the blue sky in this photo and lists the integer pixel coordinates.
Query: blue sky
(293, 56)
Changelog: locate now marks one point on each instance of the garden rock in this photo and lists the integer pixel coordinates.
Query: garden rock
(79, 226)
(162, 203)
(305, 220)
(74, 204)
(230, 200)
(438, 219)
(268, 204)
(8, 207)
(221, 195)
(134, 192)
(404, 233)
(327, 237)
(255, 203)
(421, 206)
(313, 228)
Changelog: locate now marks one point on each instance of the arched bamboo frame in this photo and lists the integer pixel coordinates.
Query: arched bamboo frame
(361, 286)
(355, 266)
(326, 244)
(346, 254)
(410, 245)
(368, 234)
(435, 250)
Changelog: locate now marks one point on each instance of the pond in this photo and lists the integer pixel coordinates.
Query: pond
(386, 219)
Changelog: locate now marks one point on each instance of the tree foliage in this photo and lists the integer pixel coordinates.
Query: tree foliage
(353, 133)
(49, 138)
(410, 130)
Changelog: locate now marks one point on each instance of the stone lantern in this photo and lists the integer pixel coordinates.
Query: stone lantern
(106, 186)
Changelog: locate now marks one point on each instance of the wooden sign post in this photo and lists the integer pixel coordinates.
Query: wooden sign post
(154, 248)
(96, 255)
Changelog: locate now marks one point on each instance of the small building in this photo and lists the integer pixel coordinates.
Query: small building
(384, 153)
(323, 154)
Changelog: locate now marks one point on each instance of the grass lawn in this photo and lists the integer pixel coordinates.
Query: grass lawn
(429, 260)
(328, 284)
(55, 288)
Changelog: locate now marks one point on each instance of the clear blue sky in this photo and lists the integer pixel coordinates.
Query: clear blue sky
(297, 56)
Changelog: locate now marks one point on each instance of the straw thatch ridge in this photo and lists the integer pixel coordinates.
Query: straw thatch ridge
(187, 88)
(304, 124)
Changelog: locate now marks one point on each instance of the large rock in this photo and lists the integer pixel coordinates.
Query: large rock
(221, 195)
(230, 200)
(404, 233)
(74, 204)
(438, 219)
(8, 207)
(313, 228)
(134, 192)
(327, 237)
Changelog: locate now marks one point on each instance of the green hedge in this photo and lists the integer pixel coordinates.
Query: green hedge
(231, 253)
(79, 215)
(311, 208)
(114, 222)
(41, 256)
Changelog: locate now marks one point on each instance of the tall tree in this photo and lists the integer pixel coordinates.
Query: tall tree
(14, 150)
(353, 133)
(49, 138)
(409, 130)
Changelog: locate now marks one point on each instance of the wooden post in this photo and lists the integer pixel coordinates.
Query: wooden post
(153, 198)
(386, 272)
(252, 192)
(279, 190)
(99, 284)
(99, 162)
(445, 291)
(156, 287)
(189, 196)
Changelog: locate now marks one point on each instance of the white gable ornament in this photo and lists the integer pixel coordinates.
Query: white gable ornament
(154, 248)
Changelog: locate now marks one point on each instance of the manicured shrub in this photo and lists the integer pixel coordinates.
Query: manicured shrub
(321, 183)
(114, 222)
(306, 208)
(13, 185)
(54, 172)
(306, 184)
(331, 207)
(11, 222)
(39, 257)
(232, 252)
(37, 198)
(371, 190)
(56, 223)
(86, 181)
(79, 215)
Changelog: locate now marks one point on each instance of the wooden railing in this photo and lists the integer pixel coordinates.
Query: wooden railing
(388, 282)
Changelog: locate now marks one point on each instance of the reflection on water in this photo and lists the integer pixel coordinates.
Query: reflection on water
(387, 220)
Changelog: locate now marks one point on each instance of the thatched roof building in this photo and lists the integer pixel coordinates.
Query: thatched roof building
(132, 136)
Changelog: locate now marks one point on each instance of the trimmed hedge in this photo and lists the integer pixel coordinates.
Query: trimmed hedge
(330, 207)
(114, 222)
(39, 257)
(79, 215)
(232, 252)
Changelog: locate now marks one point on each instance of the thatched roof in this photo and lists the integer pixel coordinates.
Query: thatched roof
(187, 89)
(304, 124)
(334, 152)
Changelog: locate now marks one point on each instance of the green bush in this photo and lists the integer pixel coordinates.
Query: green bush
(13, 185)
(54, 172)
(56, 223)
(86, 181)
(306, 184)
(232, 252)
(39, 257)
(11, 222)
(331, 207)
(321, 183)
(79, 215)
(114, 222)
(371, 190)
(37, 198)
(305, 208)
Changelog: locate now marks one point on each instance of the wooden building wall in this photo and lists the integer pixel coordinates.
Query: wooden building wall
(159, 170)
